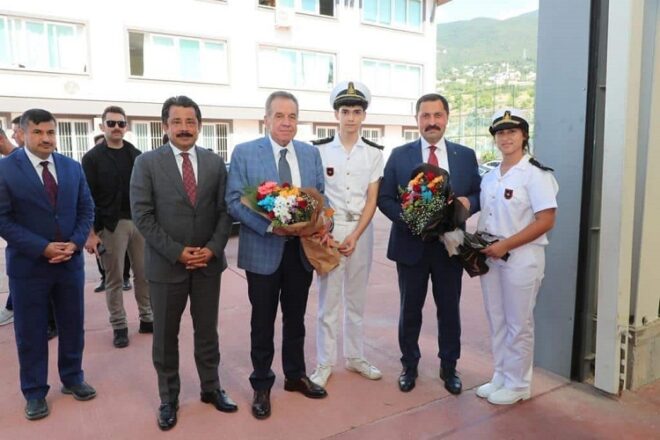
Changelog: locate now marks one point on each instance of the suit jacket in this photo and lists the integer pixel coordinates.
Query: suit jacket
(251, 164)
(464, 178)
(28, 222)
(105, 183)
(168, 221)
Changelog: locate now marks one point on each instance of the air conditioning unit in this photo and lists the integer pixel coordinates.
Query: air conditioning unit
(284, 17)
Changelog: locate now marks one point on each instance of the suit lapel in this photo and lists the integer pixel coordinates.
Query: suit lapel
(168, 164)
(31, 174)
(451, 160)
(415, 155)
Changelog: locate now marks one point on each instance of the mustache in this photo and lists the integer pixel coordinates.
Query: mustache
(432, 127)
(184, 134)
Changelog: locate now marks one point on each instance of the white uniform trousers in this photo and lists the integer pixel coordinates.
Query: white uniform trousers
(509, 290)
(348, 281)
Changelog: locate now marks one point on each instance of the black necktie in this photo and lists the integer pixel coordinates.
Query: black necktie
(284, 168)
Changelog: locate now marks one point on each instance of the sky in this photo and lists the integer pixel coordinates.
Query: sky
(457, 10)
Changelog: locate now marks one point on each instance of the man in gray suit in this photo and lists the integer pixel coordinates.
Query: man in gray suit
(177, 200)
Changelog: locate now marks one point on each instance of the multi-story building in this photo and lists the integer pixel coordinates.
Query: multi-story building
(75, 57)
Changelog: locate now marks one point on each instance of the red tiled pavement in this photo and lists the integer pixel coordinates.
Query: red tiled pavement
(355, 409)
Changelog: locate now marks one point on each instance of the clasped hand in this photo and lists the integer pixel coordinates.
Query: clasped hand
(195, 257)
(59, 252)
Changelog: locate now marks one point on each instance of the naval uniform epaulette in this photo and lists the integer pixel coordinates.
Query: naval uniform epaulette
(322, 141)
(538, 164)
(373, 144)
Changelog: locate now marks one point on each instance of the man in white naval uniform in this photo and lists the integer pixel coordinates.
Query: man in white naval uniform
(353, 167)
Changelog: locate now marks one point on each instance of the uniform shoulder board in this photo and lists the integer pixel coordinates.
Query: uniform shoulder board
(538, 164)
(373, 144)
(322, 141)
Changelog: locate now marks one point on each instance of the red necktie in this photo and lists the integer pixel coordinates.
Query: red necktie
(49, 183)
(189, 183)
(433, 159)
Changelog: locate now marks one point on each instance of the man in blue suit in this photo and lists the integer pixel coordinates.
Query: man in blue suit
(46, 213)
(276, 268)
(416, 260)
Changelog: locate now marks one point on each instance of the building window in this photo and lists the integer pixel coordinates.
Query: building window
(396, 13)
(387, 78)
(42, 45)
(320, 7)
(298, 69)
(149, 135)
(159, 56)
(73, 138)
(216, 137)
(325, 131)
(372, 133)
(410, 134)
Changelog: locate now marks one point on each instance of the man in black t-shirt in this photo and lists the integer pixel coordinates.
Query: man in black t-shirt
(108, 167)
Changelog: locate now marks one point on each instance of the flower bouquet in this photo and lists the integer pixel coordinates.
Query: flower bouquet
(429, 208)
(300, 212)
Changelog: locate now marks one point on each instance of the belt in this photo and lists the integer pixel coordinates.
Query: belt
(347, 217)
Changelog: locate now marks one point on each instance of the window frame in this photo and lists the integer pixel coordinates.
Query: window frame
(299, 52)
(77, 151)
(392, 24)
(148, 39)
(297, 8)
(392, 63)
(379, 128)
(218, 150)
(19, 53)
(150, 136)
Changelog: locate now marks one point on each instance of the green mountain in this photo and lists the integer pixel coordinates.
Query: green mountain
(485, 40)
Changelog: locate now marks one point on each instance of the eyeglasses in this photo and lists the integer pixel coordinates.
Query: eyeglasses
(112, 124)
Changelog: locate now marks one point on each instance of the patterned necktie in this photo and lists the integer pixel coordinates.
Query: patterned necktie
(284, 168)
(189, 183)
(433, 159)
(49, 183)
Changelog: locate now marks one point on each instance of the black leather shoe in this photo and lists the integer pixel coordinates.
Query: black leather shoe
(36, 409)
(81, 391)
(126, 285)
(100, 287)
(167, 415)
(120, 339)
(52, 332)
(220, 400)
(261, 404)
(453, 383)
(146, 327)
(306, 387)
(407, 379)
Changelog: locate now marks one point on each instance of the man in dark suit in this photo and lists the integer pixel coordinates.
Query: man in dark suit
(178, 204)
(416, 260)
(46, 212)
(276, 268)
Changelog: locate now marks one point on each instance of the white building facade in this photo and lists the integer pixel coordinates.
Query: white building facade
(75, 57)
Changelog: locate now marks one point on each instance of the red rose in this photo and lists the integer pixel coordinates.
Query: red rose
(302, 204)
(286, 185)
(429, 176)
(405, 197)
(271, 215)
(417, 188)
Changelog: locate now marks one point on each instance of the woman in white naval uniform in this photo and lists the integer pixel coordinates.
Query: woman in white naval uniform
(518, 205)
(353, 167)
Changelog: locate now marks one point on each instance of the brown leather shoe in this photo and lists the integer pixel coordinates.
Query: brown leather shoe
(306, 387)
(261, 404)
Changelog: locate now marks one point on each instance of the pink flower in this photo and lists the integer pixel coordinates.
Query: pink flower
(265, 188)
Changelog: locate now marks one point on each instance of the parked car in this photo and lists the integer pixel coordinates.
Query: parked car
(487, 166)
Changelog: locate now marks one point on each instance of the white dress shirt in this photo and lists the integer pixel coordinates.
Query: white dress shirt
(192, 155)
(36, 163)
(440, 153)
(290, 157)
